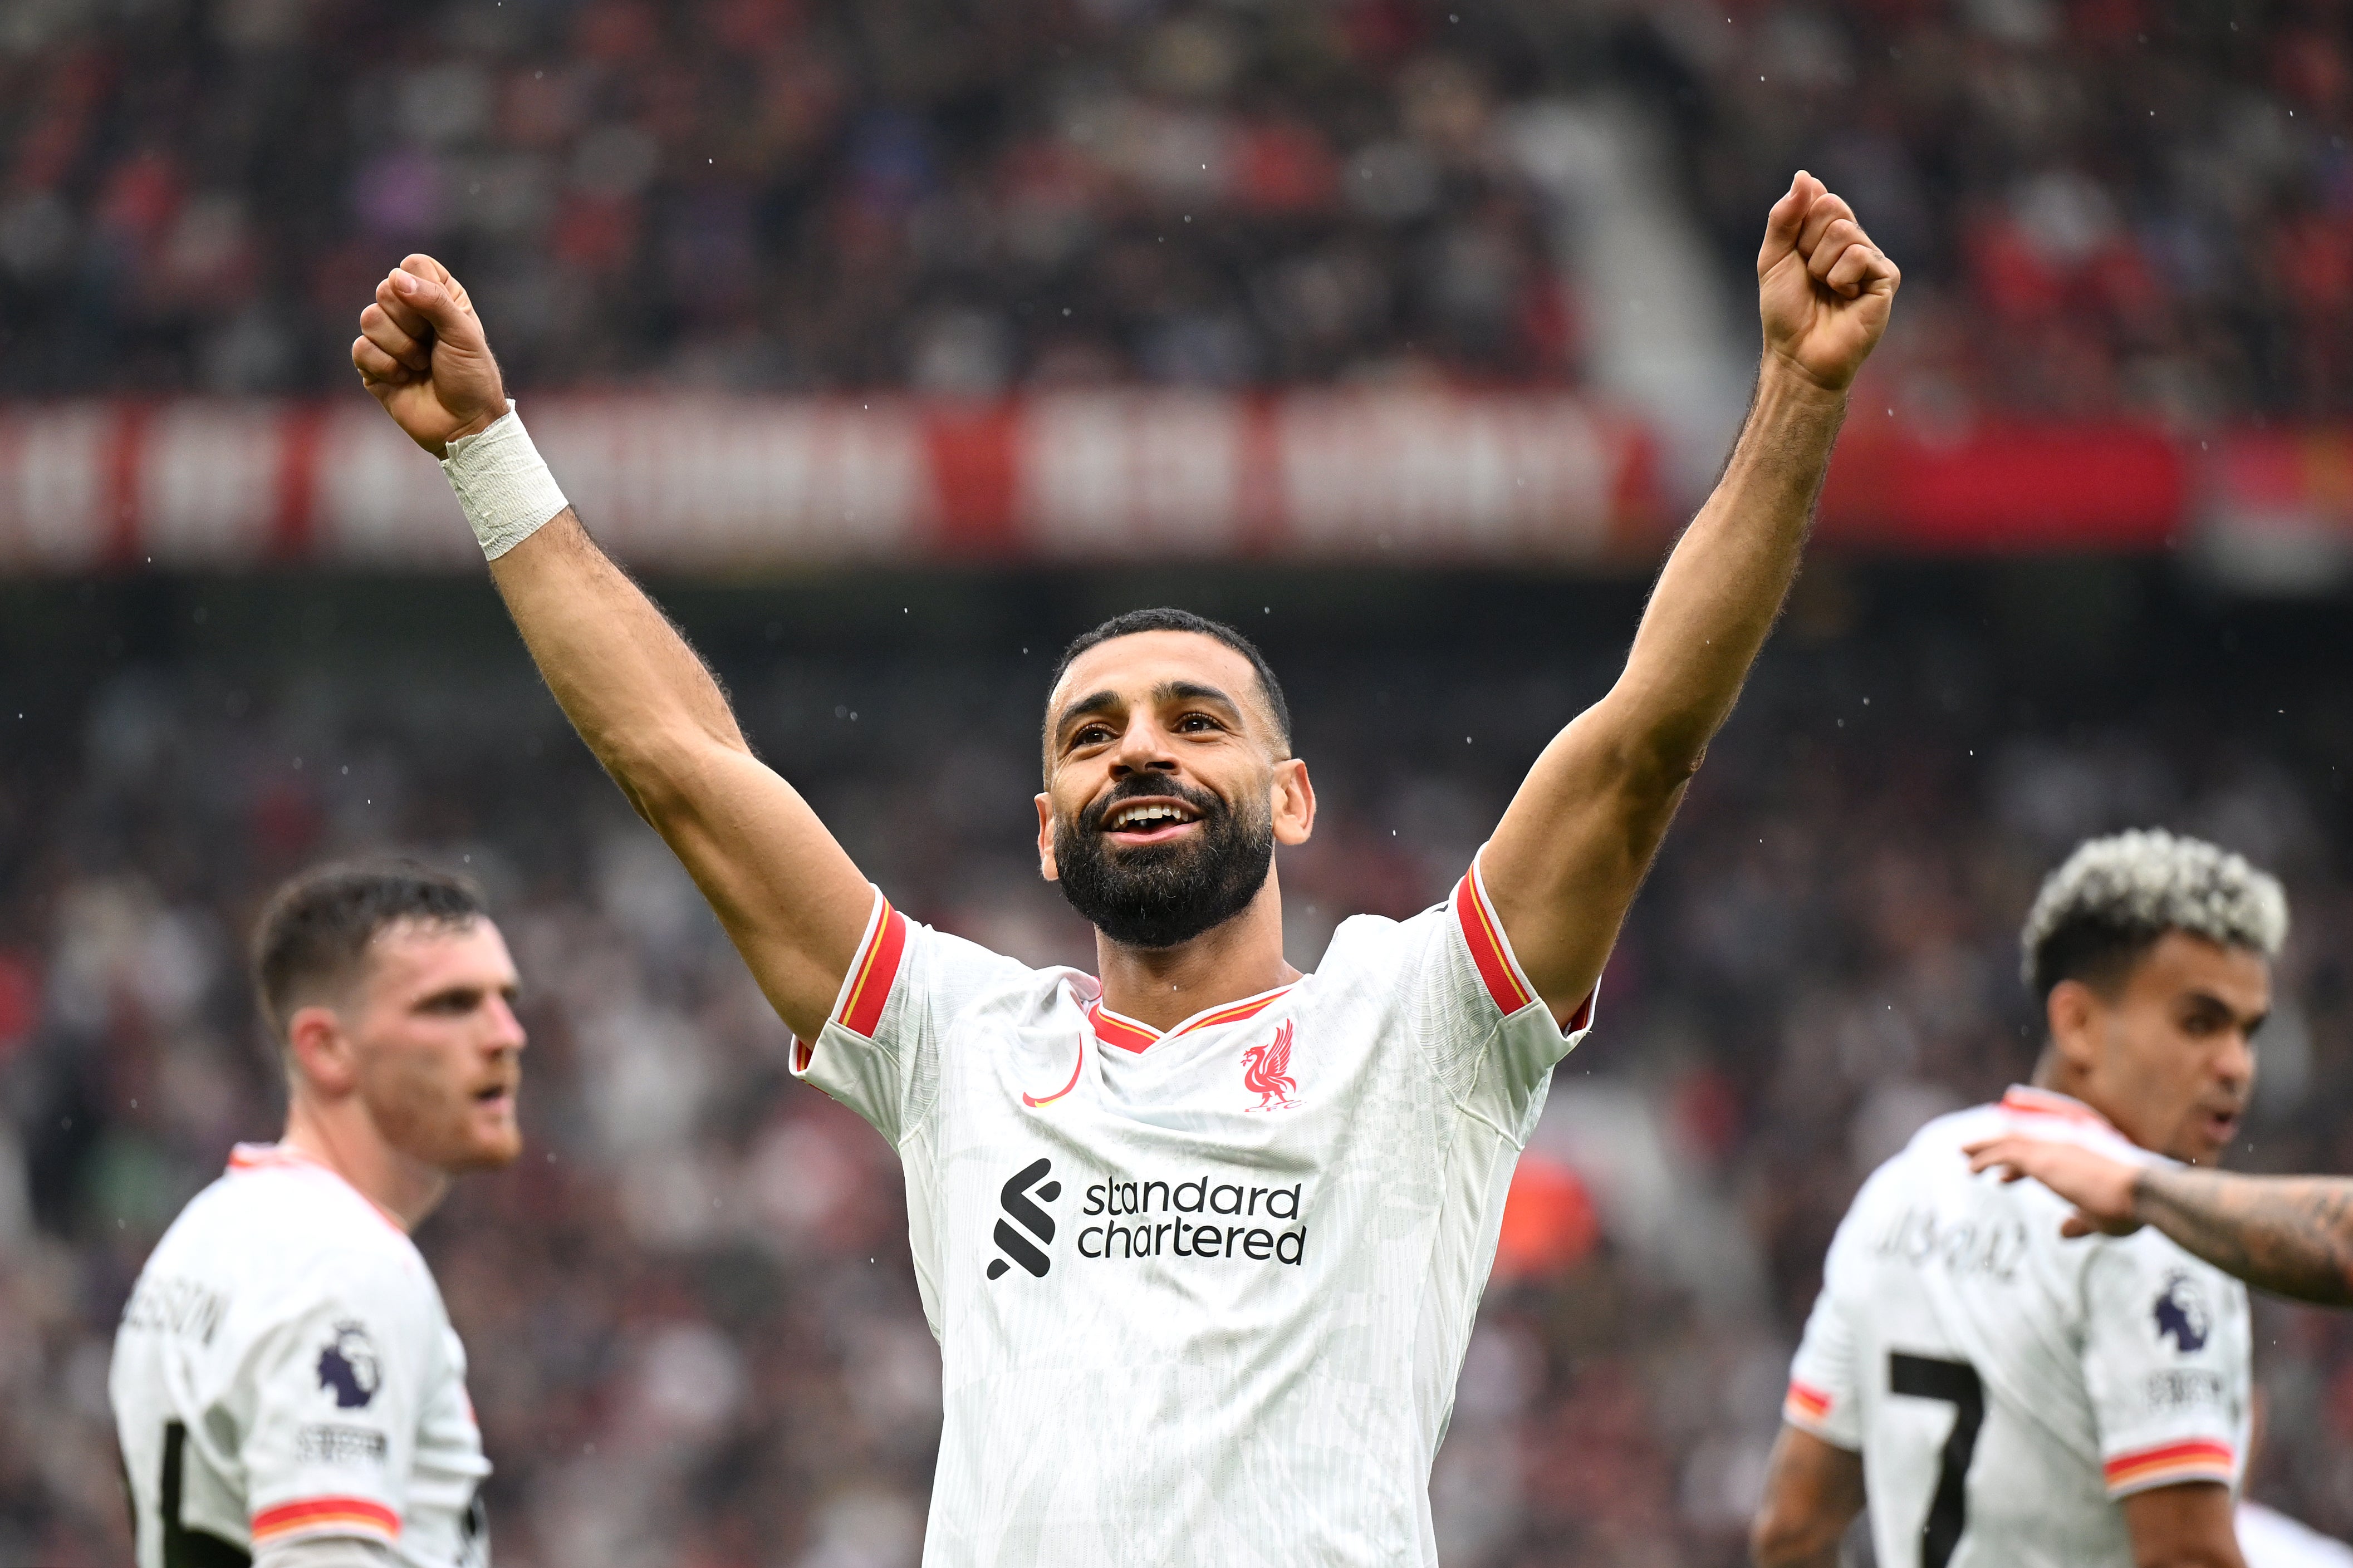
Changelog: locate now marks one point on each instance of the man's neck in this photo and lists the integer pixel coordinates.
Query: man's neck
(1163, 986)
(2052, 1075)
(342, 1139)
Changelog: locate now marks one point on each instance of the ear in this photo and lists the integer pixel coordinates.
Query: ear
(1046, 866)
(1293, 800)
(2072, 1015)
(322, 1056)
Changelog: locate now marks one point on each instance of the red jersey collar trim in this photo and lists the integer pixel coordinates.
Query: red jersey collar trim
(2027, 1101)
(1118, 1029)
(285, 1156)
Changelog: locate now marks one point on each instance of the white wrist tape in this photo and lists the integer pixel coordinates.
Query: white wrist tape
(504, 484)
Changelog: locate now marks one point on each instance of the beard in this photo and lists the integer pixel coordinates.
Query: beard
(1159, 895)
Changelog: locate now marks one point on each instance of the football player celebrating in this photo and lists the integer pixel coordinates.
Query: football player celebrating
(2005, 1397)
(1201, 1237)
(287, 1387)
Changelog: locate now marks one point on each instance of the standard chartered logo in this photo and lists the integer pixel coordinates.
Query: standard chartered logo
(1014, 1197)
(1200, 1216)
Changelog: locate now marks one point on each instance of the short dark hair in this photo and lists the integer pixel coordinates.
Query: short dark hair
(317, 926)
(1166, 619)
(2098, 915)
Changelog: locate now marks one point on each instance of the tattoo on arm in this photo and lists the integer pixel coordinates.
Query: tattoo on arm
(2289, 1235)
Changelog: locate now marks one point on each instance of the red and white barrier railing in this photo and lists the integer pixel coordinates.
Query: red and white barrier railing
(729, 484)
(713, 484)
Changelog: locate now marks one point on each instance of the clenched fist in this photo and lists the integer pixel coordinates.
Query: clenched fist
(421, 352)
(1823, 289)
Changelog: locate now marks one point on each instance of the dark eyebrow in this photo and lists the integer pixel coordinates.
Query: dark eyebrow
(2206, 1001)
(1098, 702)
(1193, 691)
(1108, 700)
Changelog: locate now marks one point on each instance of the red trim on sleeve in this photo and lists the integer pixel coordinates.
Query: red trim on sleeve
(336, 1513)
(2200, 1460)
(1808, 1402)
(876, 969)
(1485, 935)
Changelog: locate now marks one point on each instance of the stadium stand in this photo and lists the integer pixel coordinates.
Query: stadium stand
(694, 1334)
(763, 193)
(2101, 207)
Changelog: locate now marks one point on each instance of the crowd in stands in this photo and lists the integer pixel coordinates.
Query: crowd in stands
(694, 1335)
(2101, 206)
(790, 194)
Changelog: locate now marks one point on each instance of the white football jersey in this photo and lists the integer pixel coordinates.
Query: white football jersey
(2271, 1539)
(1200, 1296)
(285, 1368)
(2005, 1386)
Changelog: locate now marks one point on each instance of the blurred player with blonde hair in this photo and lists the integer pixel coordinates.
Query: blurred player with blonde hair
(2006, 1399)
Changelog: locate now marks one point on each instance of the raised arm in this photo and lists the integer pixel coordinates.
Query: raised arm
(786, 891)
(2292, 1235)
(1574, 846)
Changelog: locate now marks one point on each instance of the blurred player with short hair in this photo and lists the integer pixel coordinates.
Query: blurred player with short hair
(286, 1388)
(1201, 1237)
(2008, 1399)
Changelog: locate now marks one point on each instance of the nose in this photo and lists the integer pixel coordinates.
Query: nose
(506, 1029)
(1143, 748)
(2236, 1063)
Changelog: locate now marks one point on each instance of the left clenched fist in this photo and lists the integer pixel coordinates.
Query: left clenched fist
(1823, 289)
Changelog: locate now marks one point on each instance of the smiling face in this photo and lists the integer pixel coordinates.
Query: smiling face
(2169, 1056)
(429, 1042)
(1168, 786)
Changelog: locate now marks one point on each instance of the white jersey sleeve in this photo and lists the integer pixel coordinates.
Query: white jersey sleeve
(1825, 1393)
(1490, 1039)
(336, 1385)
(878, 1053)
(2167, 1352)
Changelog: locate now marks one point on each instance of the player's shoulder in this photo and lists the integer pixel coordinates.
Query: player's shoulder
(1933, 1153)
(277, 1220)
(1368, 947)
(1932, 1170)
(975, 974)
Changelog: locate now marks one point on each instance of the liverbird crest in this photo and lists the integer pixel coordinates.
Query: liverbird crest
(1266, 1072)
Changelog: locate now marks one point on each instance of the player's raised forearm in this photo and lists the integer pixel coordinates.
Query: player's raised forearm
(636, 693)
(790, 899)
(1723, 586)
(1577, 840)
(2290, 1234)
(787, 894)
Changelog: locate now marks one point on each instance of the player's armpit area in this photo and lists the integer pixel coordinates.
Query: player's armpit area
(2188, 1526)
(327, 1552)
(1813, 1490)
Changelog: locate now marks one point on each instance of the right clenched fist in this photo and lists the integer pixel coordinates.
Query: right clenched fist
(421, 352)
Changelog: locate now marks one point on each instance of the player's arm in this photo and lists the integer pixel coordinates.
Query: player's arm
(1813, 1490)
(2292, 1235)
(786, 891)
(1566, 861)
(2188, 1526)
